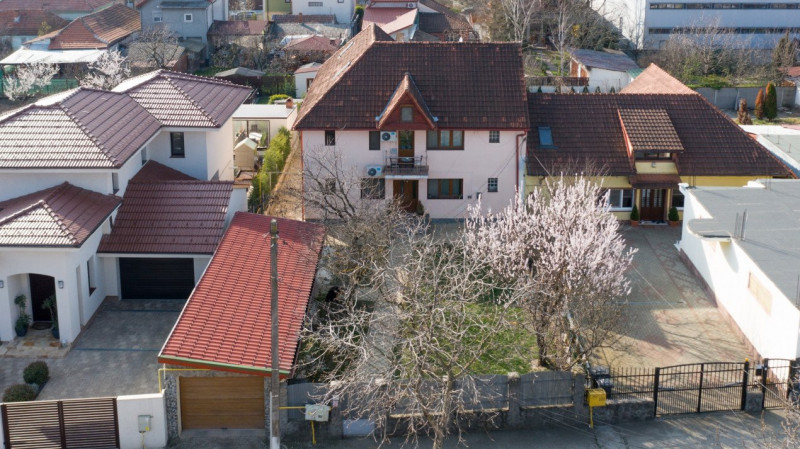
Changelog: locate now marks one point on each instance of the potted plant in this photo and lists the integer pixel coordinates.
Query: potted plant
(23, 320)
(673, 217)
(420, 209)
(51, 305)
(635, 216)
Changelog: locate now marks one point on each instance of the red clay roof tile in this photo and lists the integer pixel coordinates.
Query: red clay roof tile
(27, 22)
(654, 80)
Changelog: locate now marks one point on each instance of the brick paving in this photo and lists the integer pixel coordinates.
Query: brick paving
(669, 319)
(115, 355)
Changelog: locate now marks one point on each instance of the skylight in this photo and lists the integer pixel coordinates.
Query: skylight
(545, 137)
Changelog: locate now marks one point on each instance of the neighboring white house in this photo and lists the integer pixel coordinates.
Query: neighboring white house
(342, 9)
(754, 24)
(744, 243)
(255, 120)
(782, 141)
(604, 69)
(78, 167)
(304, 76)
(418, 133)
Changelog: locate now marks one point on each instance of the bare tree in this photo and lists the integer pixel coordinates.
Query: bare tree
(107, 71)
(518, 16)
(565, 242)
(28, 78)
(158, 47)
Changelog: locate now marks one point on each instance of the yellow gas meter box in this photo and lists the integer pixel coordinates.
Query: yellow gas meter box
(596, 397)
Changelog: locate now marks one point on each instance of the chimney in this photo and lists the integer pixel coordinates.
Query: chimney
(289, 103)
(300, 17)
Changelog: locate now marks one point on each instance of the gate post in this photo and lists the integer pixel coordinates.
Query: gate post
(745, 381)
(764, 378)
(655, 391)
(791, 380)
(700, 389)
(62, 429)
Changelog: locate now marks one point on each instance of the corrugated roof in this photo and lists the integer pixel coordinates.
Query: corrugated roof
(654, 80)
(482, 88)
(225, 325)
(27, 22)
(303, 18)
(164, 213)
(61, 216)
(179, 99)
(588, 128)
(619, 62)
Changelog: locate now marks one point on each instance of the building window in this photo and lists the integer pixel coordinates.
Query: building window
(445, 140)
(374, 140)
(314, 3)
(144, 156)
(545, 137)
(330, 137)
(308, 83)
(491, 185)
(373, 189)
(407, 114)
(115, 182)
(90, 274)
(494, 136)
(157, 17)
(652, 156)
(677, 198)
(620, 199)
(445, 189)
(328, 186)
(187, 17)
(176, 145)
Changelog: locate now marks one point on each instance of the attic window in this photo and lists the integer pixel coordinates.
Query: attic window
(545, 137)
(187, 18)
(407, 114)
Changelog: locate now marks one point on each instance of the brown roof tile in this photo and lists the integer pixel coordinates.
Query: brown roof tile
(61, 216)
(649, 130)
(101, 29)
(27, 22)
(225, 323)
(654, 80)
(163, 213)
(482, 87)
(407, 90)
(237, 27)
(312, 43)
(445, 23)
(588, 128)
(57, 6)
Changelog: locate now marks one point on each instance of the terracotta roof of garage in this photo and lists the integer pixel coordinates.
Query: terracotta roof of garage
(61, 216)
(180, 99)
(100, 29)
(163, 212)
(225, 325)
(482, 88)
(27, 22)
(82, 128)
(588, 128)
(654, 80)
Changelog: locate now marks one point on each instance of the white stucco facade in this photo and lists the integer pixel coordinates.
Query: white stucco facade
(302, 81)
(474, 166)
(768, 319)
(607, 79)
(343, 10)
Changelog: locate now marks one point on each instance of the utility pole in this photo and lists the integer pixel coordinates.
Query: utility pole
(275, 380)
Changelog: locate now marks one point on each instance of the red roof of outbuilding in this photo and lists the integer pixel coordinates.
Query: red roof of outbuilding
(101, 29)
(654, 80)
(167, 212)
(27, 22)
(225, 325)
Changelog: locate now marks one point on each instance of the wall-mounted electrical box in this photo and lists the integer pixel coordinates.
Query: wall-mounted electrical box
(317, 412)
(144, 423)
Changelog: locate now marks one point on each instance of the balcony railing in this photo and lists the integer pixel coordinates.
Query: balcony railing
(406, 166)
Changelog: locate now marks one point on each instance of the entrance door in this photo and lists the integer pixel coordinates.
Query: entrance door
(407, 194)
(42, 287)
(653, 204)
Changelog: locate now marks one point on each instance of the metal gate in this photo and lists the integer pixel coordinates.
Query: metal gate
(700, 387)
(74, 423)
(778, 381)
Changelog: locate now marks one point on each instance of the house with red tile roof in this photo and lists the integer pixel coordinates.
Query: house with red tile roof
(644, 144)
(403, 21)
(22, 25)
(106, 193)
(416, 132)
(223, 331)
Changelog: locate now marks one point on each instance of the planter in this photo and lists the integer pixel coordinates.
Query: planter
(55, 333)
(634, 223)
(21, 331)
(673, 224)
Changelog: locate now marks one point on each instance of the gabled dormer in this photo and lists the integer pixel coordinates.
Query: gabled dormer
(406, 109)
(651, 141)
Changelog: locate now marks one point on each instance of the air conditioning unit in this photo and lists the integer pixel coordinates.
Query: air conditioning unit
(389, 136)
(374, 170)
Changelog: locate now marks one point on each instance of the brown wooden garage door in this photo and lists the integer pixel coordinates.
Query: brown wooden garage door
(222, 402)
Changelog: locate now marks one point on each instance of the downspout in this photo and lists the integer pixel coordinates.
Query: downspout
(302, 180)
(517, 175)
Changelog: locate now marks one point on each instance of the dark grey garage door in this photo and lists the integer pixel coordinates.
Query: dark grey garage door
(156, 278)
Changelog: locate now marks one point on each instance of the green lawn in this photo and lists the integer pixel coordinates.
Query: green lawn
(514, 349)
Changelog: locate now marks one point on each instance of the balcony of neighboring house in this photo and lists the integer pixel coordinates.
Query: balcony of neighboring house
(406, 167)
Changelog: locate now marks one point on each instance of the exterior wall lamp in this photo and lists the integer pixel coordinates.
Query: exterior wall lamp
(2, 284)
(60, 284)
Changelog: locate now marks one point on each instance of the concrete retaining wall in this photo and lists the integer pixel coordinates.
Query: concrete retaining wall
(728, 97)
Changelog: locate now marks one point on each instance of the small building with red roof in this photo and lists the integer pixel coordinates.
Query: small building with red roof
(224, 329)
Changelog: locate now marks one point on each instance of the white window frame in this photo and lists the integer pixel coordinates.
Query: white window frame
(489, 183)
(188, 17)
(494, 136)
(620, 196)
(158, 17)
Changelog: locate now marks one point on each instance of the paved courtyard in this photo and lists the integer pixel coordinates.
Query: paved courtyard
(669, 319)
(115, 355)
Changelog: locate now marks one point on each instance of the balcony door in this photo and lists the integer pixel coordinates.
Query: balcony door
(405, 140)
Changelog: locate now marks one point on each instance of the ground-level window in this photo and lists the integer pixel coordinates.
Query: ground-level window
(494, 136)
(491, 185)
(445, 189)
(677, 198)
(373, 188)
(620, 198)
(330, 137)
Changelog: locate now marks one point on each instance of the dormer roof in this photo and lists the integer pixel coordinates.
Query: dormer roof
(407, 92)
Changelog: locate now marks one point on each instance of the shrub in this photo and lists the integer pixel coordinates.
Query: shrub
(771, 102)
(36, 373)
(635, 213)
(19, 393)
(673, 214)
(759, 111)
(276, 97)
(743, 117)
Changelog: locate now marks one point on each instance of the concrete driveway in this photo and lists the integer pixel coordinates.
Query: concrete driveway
(115, 355)
(669, 319)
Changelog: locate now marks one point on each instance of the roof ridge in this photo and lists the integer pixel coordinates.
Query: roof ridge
(191, 100)
(64, 228)
(25, 210)
(91, 136)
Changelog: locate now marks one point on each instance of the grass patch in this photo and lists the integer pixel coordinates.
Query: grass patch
(513, 349)
(777, 121)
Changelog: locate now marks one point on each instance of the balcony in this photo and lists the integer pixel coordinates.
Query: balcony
(406, 167)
